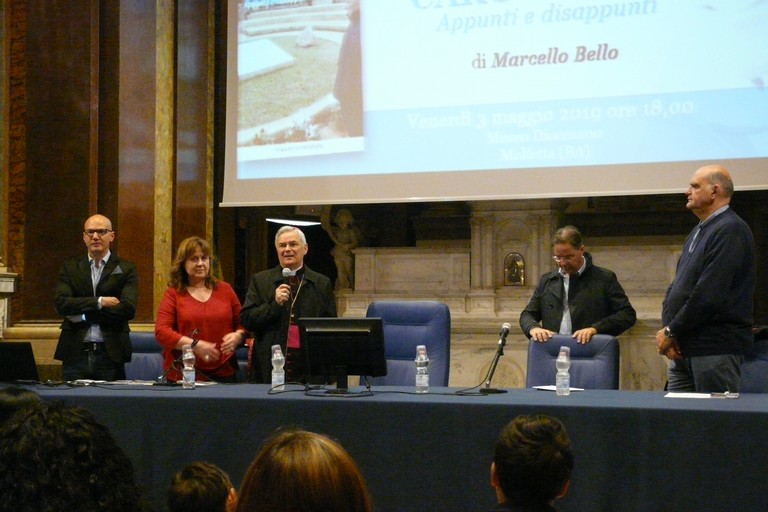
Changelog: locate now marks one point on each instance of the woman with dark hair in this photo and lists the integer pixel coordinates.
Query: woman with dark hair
(202, 487)
(13, 399)
(55, 457)
(302, 471)
(199, 309)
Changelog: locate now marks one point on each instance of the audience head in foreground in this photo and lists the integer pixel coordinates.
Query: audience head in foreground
(56, 457)
(532, 464)
(302, 471)
(13, 399)
(202, 487)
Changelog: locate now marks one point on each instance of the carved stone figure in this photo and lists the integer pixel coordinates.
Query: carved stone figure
(346, 236)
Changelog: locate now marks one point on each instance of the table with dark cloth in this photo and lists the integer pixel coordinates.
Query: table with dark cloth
(633, 450)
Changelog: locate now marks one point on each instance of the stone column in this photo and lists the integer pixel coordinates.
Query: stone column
(7, 288)
(164, 145)
(481, 277)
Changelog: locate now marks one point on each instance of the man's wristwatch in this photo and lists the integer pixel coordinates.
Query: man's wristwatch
(668, 333)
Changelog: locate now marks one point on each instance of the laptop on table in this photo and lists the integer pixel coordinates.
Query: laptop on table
(17, 362)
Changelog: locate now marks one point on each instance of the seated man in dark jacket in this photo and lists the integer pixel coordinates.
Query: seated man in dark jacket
(578, 298)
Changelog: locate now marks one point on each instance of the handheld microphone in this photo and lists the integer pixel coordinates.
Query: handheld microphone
(288, 274)
(289, 278)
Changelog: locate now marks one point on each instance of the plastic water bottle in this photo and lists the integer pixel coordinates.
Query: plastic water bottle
(563, 378)
(422, 369)
(188, 373)
(278, 373)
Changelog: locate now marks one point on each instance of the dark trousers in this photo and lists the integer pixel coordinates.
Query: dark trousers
(93, 363)
(706, 374)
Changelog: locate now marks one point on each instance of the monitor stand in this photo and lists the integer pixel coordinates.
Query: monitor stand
(342, 382)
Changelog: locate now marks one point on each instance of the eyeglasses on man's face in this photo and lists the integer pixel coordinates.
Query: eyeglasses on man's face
(566, 259)
(100, 232)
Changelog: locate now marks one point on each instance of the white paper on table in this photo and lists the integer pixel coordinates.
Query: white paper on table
(728, 395)
(554, 388)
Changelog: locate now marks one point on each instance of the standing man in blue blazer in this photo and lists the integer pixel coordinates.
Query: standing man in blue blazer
(96, 294)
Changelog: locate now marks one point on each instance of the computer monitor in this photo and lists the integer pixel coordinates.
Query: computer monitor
(338, 347)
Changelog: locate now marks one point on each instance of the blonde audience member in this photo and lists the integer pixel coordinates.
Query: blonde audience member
(302, 471)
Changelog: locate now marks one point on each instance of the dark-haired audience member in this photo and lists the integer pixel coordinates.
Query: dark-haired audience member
(201, 487)
(57, 457)
(302, 471)
(14, 398)
(532, 464)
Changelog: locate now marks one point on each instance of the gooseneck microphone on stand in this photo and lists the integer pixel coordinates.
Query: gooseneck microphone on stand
(499, 352)
(161, 380)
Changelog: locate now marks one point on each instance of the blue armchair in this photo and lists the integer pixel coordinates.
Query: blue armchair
(406, 325)
(147, 360)
(593, 366)
(754, 371)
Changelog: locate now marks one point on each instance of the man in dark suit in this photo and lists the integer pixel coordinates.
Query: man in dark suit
(97, 297)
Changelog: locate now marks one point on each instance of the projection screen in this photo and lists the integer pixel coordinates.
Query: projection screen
(433, 100)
